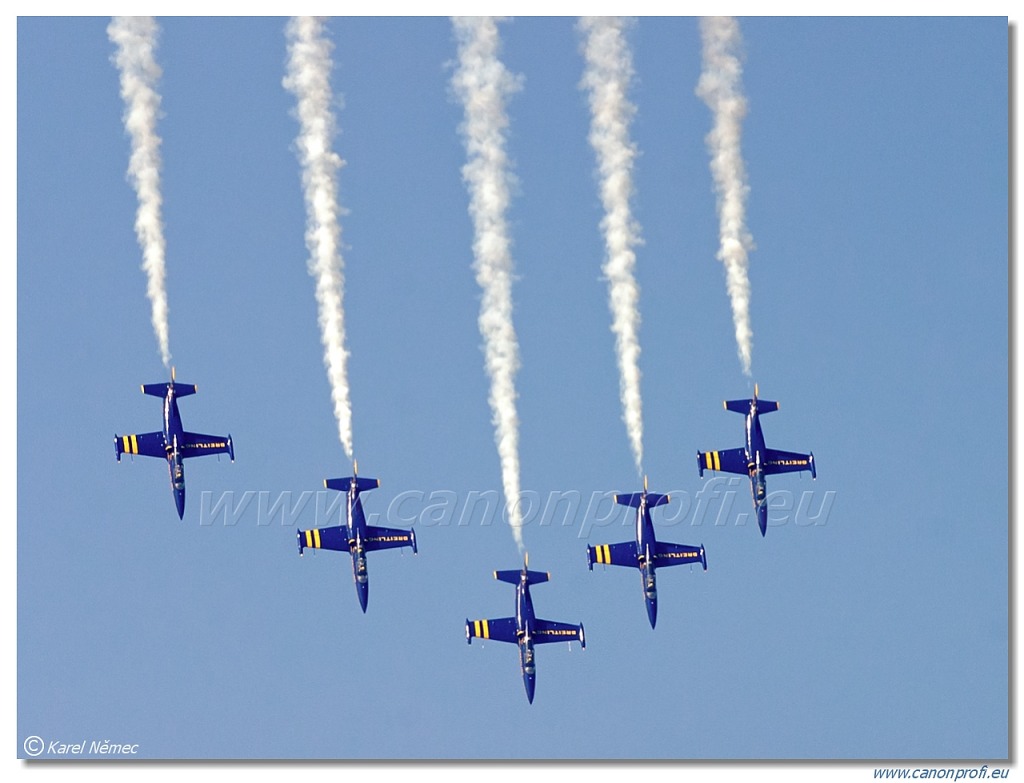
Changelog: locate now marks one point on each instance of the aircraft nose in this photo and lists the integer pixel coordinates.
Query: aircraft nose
(363, 589)
(179, 501)
(652, 611)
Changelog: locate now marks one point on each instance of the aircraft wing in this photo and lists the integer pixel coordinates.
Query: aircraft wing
(335, 538)
(146, 444)
(388, 538)
(623, 554)
(502, 629)
(198, 445)
(726, 461)
(787, 462)
(545, 631)
(666, 554)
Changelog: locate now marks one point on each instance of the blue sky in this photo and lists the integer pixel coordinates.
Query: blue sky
(870, 623)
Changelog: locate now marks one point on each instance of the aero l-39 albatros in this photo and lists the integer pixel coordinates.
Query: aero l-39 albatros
(525, 629)
(355, 536)
(755, 459)
(173, 443)
(645, 552)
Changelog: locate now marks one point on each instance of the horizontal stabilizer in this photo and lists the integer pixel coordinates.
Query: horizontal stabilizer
(512, 577)
(654, 499)
(738, 406)
(160, 389)
(342, 484)
(743, 406)
(632, 499)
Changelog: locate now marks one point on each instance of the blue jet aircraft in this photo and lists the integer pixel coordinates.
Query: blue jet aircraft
(645, 552)
(173, 444)
(755, 459)
(525, 629)
(355, 536)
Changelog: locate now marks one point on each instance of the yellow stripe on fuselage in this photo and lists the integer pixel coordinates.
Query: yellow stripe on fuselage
(316, 537)
(309, 538)
(135, 445)
(718, 461)
(604, 554)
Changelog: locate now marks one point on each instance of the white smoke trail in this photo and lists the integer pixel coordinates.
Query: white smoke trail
(720, 88)
(482, 83)
(609, 70)
(135, 37)
(308, 77)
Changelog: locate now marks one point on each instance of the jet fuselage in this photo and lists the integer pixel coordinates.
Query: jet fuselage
(756, 458)
(174, 434)
(356, 532)
(646, 546)
(524, 631)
